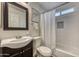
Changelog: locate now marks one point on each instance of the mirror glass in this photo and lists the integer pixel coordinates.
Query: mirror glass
(16, 16)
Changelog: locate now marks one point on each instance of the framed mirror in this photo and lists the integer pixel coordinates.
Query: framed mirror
(15, 16)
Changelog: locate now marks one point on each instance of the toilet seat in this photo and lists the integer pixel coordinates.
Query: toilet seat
(45, 51)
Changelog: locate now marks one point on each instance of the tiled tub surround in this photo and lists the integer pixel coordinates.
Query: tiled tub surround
(67, 38)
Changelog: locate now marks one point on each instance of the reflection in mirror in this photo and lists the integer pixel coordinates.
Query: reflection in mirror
(17, 16)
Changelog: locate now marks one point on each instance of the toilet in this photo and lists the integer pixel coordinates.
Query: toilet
(44, 51)
(41, 51)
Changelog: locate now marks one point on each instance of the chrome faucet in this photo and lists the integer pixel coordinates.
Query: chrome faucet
(18, 37)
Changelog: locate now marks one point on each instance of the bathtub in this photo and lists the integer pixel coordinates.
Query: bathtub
(62, 53)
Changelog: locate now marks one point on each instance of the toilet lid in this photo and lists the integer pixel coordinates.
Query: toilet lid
(45, 51)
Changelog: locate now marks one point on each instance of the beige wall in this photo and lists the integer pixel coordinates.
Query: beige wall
(12, 33)
(36, 24)
(68, 37)
(0, 14)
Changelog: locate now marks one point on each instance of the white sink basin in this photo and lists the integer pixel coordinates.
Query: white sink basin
(16, 43)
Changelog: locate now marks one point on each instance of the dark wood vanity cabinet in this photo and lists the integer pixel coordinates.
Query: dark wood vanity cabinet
(26, 51)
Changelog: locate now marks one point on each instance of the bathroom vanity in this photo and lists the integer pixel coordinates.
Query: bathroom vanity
(17, 47)
(25, 51)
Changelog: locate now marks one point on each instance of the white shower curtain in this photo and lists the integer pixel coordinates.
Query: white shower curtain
(48, 29)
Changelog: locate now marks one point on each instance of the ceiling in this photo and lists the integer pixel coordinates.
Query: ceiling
(46, 6)
(50, 5)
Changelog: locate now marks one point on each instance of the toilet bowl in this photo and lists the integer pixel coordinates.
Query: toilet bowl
(44, 51)
(39, 49)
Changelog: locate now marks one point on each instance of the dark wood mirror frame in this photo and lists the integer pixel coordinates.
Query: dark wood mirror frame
(5, 17)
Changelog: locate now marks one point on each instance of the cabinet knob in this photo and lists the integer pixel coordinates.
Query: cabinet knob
(21, 52)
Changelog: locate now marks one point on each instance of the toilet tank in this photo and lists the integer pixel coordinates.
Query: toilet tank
(36, 44)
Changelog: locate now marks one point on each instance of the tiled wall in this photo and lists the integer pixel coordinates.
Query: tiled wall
(67, 38)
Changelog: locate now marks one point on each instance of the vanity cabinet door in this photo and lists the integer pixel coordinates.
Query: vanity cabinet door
(18, 55)
(9, 52)
(28, 53)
